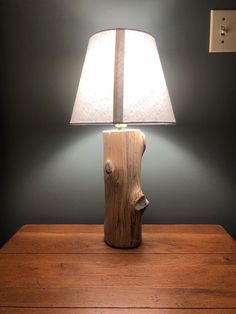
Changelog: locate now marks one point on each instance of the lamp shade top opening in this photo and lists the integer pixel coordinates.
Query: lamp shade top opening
(122, 81)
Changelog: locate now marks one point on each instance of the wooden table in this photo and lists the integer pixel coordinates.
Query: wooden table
(66, 269)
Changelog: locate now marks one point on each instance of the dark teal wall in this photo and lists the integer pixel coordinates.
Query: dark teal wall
(52, 172)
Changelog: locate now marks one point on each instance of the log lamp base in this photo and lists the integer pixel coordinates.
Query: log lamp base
(124, 199)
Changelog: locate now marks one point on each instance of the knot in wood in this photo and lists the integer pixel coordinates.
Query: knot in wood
(141, 203)
(108, 167)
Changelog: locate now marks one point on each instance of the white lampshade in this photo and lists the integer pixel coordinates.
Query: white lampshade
(122, 81)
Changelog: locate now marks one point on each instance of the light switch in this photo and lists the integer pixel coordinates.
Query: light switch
(223, 31)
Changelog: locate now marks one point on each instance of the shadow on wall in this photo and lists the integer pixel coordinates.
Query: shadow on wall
(183, 185)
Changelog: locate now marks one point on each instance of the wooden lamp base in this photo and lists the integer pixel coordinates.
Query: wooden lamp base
(124, 199)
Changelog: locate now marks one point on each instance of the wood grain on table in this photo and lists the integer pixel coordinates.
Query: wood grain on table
(66, 269)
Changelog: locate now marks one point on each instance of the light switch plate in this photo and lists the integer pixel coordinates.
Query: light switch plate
(223, 31)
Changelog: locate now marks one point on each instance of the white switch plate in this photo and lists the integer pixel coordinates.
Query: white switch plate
(223, 21)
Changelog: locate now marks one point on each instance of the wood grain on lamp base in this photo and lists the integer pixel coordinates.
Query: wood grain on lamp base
(124, 200)
(64, 269)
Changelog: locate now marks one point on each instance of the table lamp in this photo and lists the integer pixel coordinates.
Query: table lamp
(122, 82)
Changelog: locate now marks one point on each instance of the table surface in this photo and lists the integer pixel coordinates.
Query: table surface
(67, 269)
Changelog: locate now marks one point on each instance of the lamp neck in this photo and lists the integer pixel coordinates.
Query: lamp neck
(120, 126)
